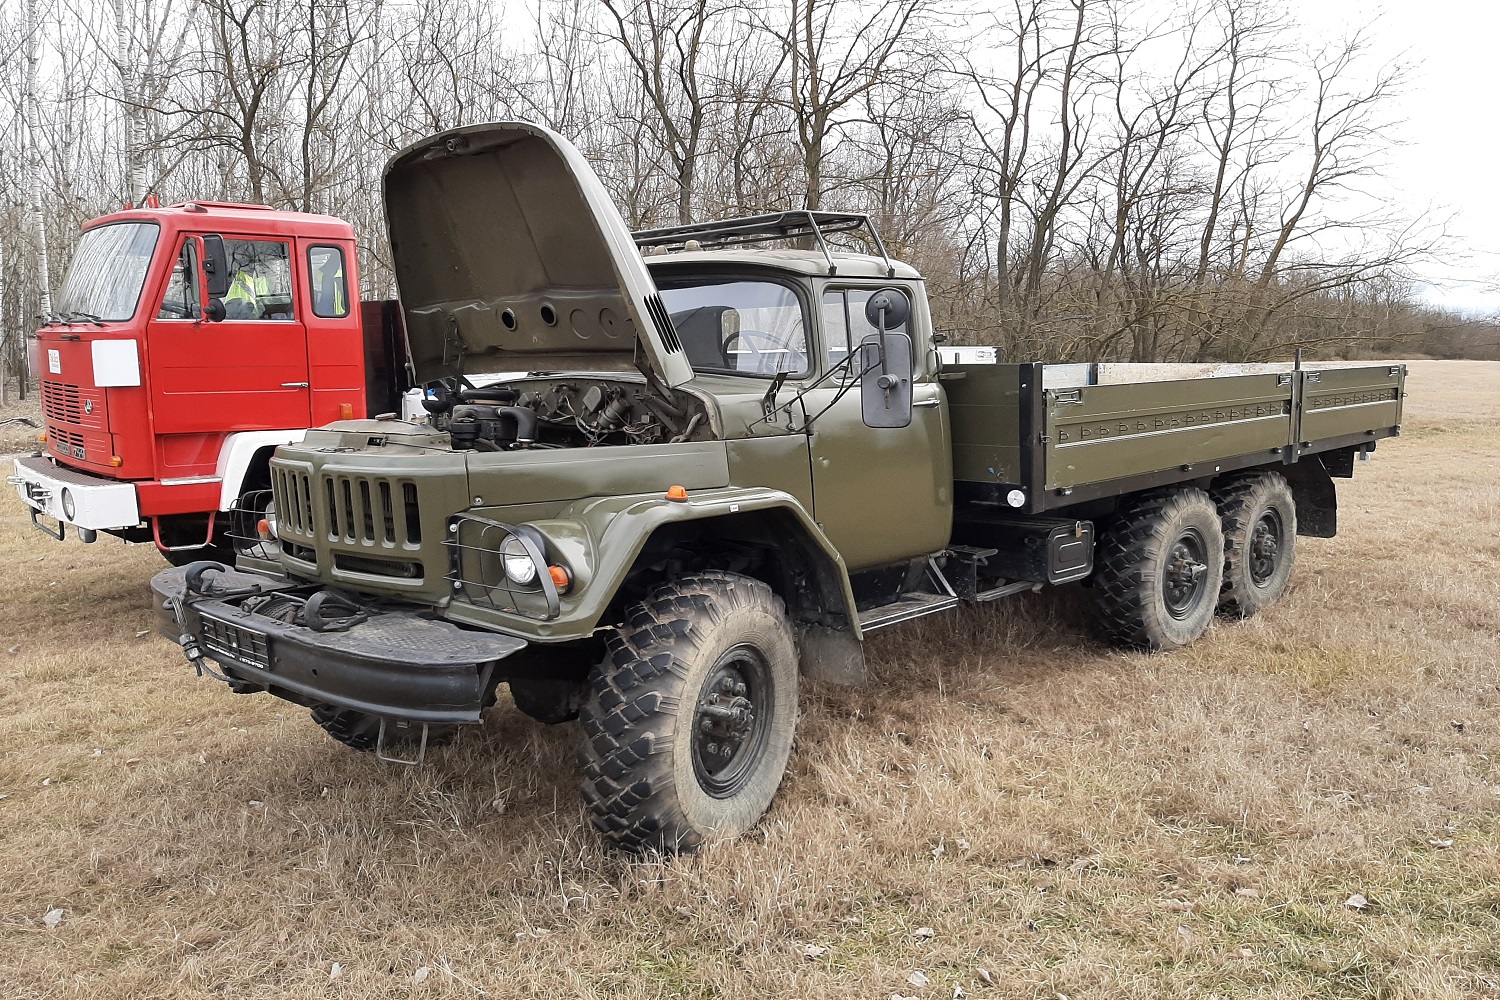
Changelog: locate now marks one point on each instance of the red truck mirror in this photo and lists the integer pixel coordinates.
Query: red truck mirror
(215, 283)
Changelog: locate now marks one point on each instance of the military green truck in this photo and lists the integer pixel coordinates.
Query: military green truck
(733, 455)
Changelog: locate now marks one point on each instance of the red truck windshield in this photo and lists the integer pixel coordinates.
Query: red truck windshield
(108, 271)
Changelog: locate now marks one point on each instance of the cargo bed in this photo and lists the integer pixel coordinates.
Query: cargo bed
(1040, 437)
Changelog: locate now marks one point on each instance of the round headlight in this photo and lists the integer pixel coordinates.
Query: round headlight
(69, 509)
(520, 568)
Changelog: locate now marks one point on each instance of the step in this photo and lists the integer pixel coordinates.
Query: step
(910, 606)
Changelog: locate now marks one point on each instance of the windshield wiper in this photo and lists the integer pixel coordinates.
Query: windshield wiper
(76, 316)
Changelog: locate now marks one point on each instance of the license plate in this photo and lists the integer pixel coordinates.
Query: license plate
(236, 642)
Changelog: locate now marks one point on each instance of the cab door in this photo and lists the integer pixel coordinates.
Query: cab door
(882, 494)
(248, 371)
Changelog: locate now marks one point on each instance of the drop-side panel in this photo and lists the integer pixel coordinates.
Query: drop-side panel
(985, 408)
(1104, 432)
(1339, 402)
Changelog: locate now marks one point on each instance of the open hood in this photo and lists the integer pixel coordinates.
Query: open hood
(510, 256)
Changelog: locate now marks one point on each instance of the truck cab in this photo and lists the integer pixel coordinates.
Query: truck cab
(189, 341)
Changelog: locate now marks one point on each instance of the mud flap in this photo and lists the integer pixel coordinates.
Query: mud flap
(833, 656)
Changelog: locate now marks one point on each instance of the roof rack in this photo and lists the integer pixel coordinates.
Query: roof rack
(759, 228)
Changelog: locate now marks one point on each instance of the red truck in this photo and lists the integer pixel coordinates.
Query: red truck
(189, 342)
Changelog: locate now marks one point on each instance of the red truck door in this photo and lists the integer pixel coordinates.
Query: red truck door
(246, 372)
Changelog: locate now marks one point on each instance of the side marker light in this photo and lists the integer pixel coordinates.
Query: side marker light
(677, 493)
(346, 411)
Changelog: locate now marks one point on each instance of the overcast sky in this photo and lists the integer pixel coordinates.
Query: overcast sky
(1448, 159)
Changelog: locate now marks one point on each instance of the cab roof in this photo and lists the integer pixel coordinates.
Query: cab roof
(811, 263)
(231, 217)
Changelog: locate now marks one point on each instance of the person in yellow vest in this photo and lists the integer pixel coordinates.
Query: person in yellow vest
(245, 291)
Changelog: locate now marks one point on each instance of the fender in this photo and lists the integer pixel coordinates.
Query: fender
(600, 540)
(236, 454)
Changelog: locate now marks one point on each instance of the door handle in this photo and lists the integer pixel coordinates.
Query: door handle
(934, 401)
(294, 385)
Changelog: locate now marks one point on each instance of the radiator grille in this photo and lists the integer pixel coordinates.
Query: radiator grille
(348, 508)
(61, 402)
(66, 442)
(292, 491)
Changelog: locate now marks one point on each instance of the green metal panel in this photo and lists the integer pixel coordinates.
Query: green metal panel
(1103, 432)
(984, 408)
(1337, 402)
(513, 477)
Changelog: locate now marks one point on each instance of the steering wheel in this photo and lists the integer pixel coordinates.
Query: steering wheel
(769, 344)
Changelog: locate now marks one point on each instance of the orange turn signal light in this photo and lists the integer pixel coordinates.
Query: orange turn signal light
(560, 578)
(42, 436)
(263, 528)
(678, 493)
(116, 461)
(346, 411)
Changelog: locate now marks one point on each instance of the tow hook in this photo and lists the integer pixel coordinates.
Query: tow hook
(194, 585)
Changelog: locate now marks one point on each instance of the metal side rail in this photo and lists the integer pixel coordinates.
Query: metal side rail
(913, 604)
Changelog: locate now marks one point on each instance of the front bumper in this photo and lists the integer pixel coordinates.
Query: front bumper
(396, 665)
(97, 504)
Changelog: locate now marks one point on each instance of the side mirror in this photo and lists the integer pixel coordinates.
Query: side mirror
(888, 309)
(215, 266)
(215, 311)
(885, 386)
(885, 362)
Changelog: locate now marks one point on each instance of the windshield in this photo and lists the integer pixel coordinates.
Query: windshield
(749, 326)
(108, 271)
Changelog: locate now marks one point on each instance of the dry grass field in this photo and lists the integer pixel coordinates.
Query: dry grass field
(1010, 809)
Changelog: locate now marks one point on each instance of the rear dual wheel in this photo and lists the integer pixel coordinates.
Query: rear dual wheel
(1259, 518)
(1159, 568)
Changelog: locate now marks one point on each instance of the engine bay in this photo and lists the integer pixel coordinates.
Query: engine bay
(583, 412)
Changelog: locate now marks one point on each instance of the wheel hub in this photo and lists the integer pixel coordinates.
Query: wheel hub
(1186, 573)
(727, 731)
(1265, 548)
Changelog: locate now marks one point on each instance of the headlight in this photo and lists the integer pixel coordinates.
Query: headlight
(520, 568)
(69, 509)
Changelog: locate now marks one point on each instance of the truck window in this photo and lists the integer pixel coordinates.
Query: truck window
(108, 272)
(181, 298)
(844, 323)
(745, 326)
(326, 281)
(260, 284)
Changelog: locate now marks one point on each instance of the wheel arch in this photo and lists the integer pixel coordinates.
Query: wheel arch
(797, 560)
(242, 453)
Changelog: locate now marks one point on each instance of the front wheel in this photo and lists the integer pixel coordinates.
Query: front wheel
(688, 722)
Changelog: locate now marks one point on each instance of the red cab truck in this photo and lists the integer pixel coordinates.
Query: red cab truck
(188, 343)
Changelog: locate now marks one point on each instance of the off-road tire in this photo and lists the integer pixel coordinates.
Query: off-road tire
(360, 730)
(1259, 517)
(546, 700)
(648, 775)
(1158, 569)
